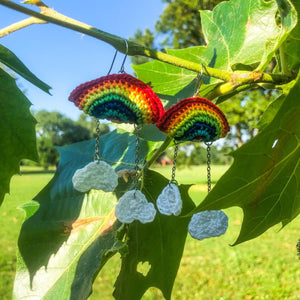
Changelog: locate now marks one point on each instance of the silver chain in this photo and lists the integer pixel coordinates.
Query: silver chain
(136, 161)
(97, 156)
(208, 144)
(173, 180)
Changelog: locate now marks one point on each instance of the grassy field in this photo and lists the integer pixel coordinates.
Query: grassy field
(264, 268)
(23, 189)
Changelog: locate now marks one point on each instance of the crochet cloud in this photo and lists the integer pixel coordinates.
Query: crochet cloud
(96, 175)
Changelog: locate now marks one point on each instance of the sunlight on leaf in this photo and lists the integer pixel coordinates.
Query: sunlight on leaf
(66, 242)
(264, 178)
(258, 38)
(291, 47)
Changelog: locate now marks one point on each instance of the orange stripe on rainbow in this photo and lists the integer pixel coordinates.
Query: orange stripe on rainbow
(194, 119)
(118, 97)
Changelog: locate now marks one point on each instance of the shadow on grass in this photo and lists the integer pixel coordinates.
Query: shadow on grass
(28, 172)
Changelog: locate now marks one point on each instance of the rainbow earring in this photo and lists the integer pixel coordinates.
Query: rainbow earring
(192, 119)
(122, 98)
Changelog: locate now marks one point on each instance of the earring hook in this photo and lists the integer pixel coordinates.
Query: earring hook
(113, 61)
(199, 81)
(122, 66)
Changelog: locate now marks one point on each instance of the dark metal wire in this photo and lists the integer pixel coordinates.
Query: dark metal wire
(173, 180)
(136, 161)
(98, 132)
(298, 248)
(122, 70)
(208, 144)
(113, 61)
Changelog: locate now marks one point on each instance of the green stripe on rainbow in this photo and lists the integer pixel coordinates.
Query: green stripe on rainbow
(120, 98)
(194, 119)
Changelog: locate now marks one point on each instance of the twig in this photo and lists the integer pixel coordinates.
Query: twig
(19, 25)
(156, 154)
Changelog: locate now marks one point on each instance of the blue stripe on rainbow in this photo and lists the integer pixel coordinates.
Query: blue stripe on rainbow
(194, 119)
(119, 98)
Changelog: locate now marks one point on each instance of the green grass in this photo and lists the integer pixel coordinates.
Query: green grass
(264, 268)
(23, 189)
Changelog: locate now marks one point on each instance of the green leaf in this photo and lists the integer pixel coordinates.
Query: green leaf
(270, 112)
(148, 132)
(14, 63)
(237, 32)
(243, 67)
(29, 208)
(158, 244)
(152, 133)
(72, 234)
(17, 131)
(264, 178)
(167, 79)
(235, 28)
(292, 45)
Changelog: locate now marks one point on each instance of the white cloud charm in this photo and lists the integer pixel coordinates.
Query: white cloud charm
(95, 175)
(133, 205)
(206, 224)
(169, 201)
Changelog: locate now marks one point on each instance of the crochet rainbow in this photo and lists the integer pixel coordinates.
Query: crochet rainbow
(120, 98)
(194, 119)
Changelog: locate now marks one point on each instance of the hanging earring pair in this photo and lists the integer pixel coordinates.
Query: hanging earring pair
(120, 98)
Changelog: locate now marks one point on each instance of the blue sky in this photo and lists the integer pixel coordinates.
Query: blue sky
(64, 58)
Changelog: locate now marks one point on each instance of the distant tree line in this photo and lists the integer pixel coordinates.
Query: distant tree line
(55, 129)
(194, 154)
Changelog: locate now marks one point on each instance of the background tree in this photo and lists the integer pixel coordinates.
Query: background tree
(180, 24)
(47, 153)
(243, 112)
(55, 129)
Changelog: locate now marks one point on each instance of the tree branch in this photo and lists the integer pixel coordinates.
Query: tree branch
(283, 63)
(19, 25)
(51, 16)
(156, 154)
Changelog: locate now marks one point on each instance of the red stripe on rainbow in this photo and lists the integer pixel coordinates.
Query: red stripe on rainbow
(118, 97)
(189, 116)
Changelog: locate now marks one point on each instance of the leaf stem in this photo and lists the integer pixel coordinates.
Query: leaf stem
(283, 63)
